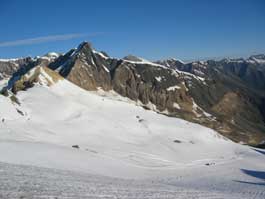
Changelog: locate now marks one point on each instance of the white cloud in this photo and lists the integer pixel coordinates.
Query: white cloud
(45, 39)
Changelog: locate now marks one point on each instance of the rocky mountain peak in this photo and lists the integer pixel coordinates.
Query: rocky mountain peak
(258, 56)
(85, 67)
(10, 66)
(132, 58)
(259, 59)
(52, 55)
(171, 63)
(84, 47)
(39, 74)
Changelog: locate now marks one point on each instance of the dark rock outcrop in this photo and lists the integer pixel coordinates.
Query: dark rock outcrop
(10, 66)
(152, 84)
(84, 68)
(234, 93)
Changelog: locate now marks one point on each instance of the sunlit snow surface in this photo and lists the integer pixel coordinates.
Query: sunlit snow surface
(124, 151)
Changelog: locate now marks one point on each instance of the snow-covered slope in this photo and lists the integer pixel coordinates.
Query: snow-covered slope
(65, 115)
(115, 137)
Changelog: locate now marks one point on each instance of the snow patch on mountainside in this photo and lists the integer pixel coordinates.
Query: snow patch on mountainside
(10, 60)
(172, 88)
(101, 54)
(3, 83)
(140, 60)
(65, 115)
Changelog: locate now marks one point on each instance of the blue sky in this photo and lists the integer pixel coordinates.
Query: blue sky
(154, 29)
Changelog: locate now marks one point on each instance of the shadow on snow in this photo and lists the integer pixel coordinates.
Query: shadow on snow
(256, 174)
(260, 151)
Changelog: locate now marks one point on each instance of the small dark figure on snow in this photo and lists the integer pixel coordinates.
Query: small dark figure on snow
(75, 146)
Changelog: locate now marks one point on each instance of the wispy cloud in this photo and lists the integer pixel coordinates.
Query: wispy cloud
(45, 39)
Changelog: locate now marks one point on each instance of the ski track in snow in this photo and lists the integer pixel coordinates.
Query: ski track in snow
(18, 181)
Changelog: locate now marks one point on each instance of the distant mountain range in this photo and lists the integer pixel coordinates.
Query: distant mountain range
(226, 95)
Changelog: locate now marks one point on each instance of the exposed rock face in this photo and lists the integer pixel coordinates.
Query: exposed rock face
(84, 68)
(152, 84)
(132, 58)
(24, 66)
(250, 71)
(226, 95)
(171, 63)
(39, 74)
(9, 66)
(234, 93)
